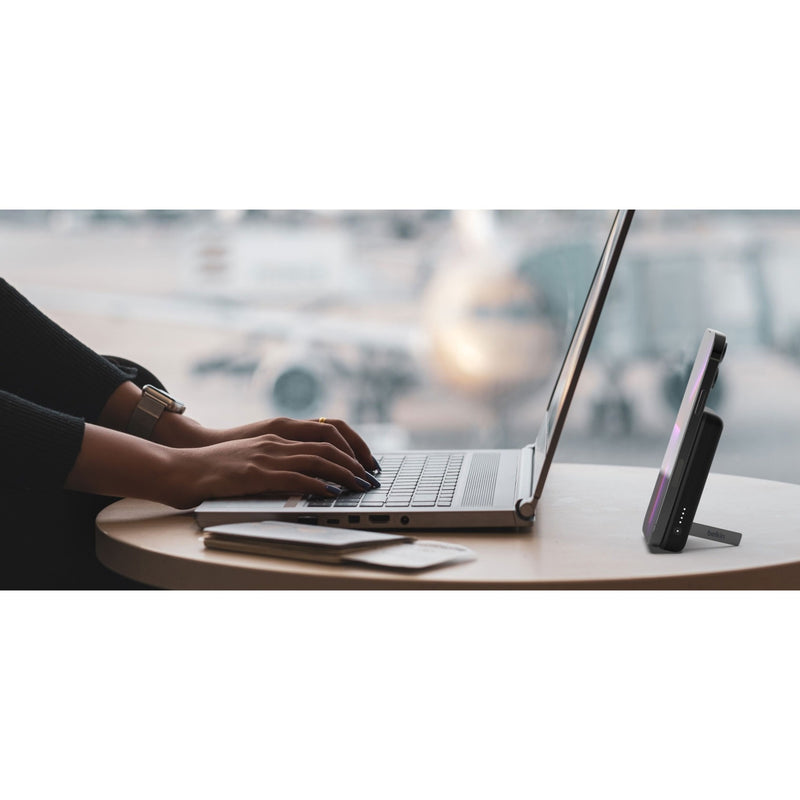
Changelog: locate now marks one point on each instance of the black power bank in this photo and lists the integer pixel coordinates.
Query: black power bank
(681, 518)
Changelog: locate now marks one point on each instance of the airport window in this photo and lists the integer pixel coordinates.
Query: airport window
(436, 328)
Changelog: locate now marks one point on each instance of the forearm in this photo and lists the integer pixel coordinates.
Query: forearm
(117, 465)
(172, 430)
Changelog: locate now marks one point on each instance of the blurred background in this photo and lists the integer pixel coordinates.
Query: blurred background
(436, 328)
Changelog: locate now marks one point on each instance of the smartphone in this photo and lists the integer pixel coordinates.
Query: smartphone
(689, 453)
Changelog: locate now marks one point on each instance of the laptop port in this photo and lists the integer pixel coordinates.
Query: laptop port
(379, 518)
(331, 521)
(307, 520)
(354, 519)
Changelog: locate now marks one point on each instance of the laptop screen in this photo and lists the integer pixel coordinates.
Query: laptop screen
(570, 371)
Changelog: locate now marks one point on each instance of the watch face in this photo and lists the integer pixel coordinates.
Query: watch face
(170, 403)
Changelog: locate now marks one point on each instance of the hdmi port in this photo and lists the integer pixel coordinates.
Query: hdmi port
(378, 517)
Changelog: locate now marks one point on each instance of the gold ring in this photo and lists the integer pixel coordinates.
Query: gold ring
(321, 419)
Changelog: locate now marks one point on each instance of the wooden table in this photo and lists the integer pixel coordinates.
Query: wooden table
(587, 535)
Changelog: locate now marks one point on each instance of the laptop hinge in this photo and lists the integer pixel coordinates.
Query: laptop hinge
(525, 504)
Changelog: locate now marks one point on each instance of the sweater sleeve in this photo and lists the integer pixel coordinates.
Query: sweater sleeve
(42, 363)
(39, 445)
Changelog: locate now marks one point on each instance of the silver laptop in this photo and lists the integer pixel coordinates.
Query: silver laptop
(452, 489)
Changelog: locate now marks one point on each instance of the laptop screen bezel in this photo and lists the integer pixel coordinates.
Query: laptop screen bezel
(575, 356)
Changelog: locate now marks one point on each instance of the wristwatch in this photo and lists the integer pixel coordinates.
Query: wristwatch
(148, 412)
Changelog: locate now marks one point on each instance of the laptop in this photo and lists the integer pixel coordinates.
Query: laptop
(447, 489)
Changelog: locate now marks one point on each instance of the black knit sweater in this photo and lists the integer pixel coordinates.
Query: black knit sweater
(50, 385)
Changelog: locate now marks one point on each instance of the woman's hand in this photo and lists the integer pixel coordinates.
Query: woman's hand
(331, 431)
(267, 464)
(115, 464)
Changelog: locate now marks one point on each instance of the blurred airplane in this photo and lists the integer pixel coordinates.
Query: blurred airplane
(477, 328)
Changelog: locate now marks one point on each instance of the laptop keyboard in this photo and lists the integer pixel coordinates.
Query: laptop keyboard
(414, 480)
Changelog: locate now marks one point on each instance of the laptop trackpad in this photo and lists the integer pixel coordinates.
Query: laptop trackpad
(490, 480)
(479, 486)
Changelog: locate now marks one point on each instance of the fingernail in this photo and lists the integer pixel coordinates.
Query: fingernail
(364, 484)
(374, 481)
(337, 490)
(377, 466)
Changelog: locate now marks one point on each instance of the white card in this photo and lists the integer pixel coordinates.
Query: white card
(416, 555)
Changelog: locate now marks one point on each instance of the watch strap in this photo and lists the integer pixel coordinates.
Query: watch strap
(149, 410)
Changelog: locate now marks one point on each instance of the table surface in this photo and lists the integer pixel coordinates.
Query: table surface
(587, 535)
